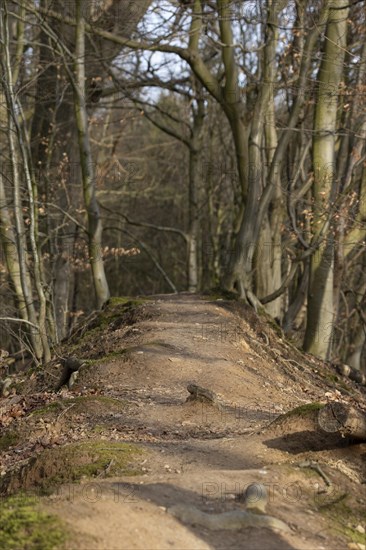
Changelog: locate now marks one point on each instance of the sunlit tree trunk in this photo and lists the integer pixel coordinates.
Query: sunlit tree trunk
(320, 313)
(240, 270)
(86, 163)
(195, 171)
(269, 251)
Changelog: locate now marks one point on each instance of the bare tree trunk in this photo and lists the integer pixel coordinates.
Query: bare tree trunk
(39, 338)
(356, 346)
(240, 270)
(269, 251)
(9, 245)
(320, 313)
(86, 162)
(195, 144)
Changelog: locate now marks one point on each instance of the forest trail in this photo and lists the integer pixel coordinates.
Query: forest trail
(204, 454)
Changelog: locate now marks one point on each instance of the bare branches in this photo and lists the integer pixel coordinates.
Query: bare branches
(144, 224)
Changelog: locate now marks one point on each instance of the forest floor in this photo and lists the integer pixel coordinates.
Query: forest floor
(111, 455)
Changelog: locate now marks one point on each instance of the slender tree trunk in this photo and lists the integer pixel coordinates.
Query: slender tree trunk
(86, 162)
(269, 250)
(356, 346)
(39, 337)
(53, 137)
(320, 313)
(8, 243)
(194, 180)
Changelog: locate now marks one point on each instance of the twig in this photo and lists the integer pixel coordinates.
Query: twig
(107, 468)
(315, 466)
(64, 412)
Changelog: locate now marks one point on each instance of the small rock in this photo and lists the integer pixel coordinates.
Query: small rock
(73, 378)
(360, 529)
(5, 387)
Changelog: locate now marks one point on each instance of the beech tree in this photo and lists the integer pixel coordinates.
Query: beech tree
(320, 312)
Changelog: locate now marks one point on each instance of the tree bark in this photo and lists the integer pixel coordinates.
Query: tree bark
(39, 338)
(195, 144)
(86, 163)
(269, 251)
(320, 313)
(240, 270)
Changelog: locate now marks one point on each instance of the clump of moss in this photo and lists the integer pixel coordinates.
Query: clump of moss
(304, 413)
(219, 293)
(126, 301)
(24, 526)
(8, 440)
(55, 406)
(98, 458)
(354, 535)
(90, 459)
(304, 410)
(73, 462)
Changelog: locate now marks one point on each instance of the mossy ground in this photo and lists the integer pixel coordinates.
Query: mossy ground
(304, 410)
(219, 293)
(73, 462)
(96, 458)
(23, 526)
(345, 517)
(126, 300)
(94, 338)
(79, 404)
(8, 440)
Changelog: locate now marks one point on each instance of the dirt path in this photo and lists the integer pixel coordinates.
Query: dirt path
(204, 455)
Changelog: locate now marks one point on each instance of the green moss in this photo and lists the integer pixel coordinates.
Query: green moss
(334, 379)
(117, 457)
(304, 410)
(355, 536)
(218, 293)
(341, 515)
(117, 309)
(98, 429)
(126, 301)
(88, 459)
(8, 440)
(52, 407)
(270, 321)
(111, 355)
(24, 527)
(80, 402)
